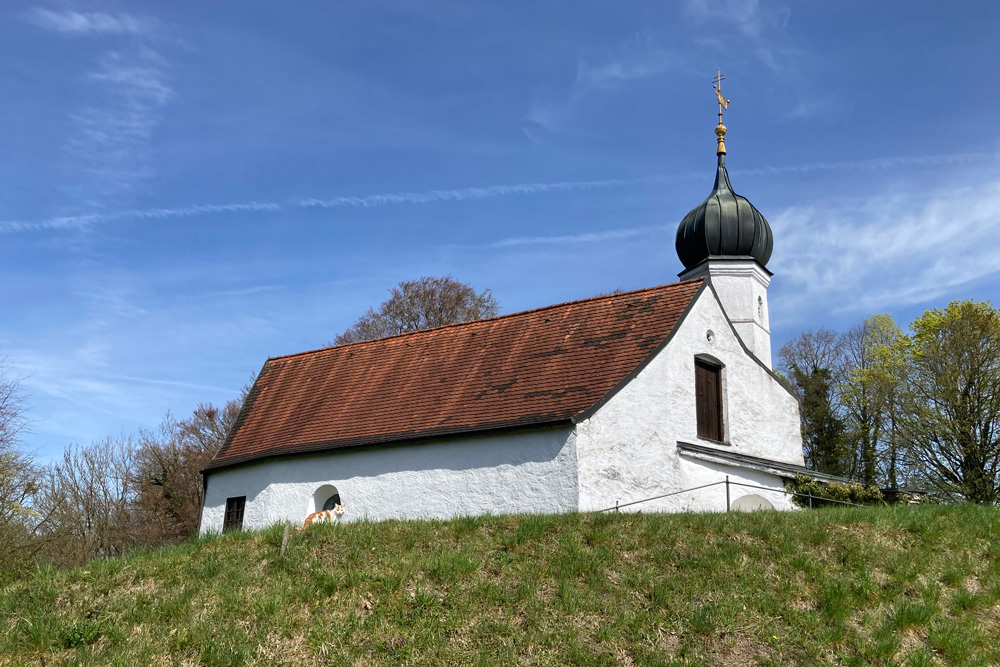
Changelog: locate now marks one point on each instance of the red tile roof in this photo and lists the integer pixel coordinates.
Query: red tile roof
(530, 368)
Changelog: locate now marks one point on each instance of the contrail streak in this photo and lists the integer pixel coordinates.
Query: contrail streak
(462, 194)
(78, 221)
(465, 194)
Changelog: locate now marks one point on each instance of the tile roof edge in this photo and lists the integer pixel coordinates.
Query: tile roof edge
(488, 319)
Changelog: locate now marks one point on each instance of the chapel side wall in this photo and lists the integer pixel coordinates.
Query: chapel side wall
(529, 471)
(628, 449)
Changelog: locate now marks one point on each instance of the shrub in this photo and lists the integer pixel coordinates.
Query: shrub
(851, 492)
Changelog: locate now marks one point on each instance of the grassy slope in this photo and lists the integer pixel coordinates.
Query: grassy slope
(912, 586)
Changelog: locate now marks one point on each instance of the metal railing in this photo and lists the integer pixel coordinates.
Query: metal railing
(812, 499)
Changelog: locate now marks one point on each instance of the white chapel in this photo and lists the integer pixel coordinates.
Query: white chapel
(662, 393)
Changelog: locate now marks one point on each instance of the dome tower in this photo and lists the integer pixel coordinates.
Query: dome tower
(727, 239)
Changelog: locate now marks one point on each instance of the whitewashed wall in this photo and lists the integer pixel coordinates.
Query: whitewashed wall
(628, 449)
(533, 471)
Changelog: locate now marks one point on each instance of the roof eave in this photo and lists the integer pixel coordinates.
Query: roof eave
(777, 468)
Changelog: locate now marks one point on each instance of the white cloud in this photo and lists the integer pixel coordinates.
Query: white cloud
(111, 147)
(873, 164)
(747, 16)
(87, 23)
(139, 75)
(815, 107)
(638, 57)
(891, 250)
(109, 152)
(759, 28)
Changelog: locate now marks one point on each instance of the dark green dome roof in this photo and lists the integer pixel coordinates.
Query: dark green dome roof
(724, 225)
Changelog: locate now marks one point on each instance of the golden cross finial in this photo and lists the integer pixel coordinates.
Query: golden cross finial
(720, 129)
(717, 85)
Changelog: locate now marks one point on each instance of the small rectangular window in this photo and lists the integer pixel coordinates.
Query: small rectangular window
(234, 513)
(708, 399)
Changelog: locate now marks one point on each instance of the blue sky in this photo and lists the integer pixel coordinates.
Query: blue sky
(189, 187)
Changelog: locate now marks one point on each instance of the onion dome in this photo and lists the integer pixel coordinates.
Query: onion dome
(726, 225)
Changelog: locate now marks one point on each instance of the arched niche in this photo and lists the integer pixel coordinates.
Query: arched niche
(325, 498)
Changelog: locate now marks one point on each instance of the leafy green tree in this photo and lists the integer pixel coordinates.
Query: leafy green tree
(953, 415)
(875, 353)
(890, 364)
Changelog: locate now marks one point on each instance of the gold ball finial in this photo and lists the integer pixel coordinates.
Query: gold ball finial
(720, 132)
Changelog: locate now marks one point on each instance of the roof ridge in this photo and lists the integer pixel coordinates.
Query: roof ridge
(485, 319)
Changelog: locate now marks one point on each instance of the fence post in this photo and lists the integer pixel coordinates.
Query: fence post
(284, 538)
(616, 507)
(810, 500)
(727, 493)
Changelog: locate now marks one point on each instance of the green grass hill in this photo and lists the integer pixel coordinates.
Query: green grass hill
(898, 585)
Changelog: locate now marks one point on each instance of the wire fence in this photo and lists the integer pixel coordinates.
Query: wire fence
(814, 501)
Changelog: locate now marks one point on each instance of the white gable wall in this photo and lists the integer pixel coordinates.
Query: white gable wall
(527, 471)
(627, 450)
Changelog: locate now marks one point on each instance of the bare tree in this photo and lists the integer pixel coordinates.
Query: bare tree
(12, 419)
(89, 495)
(18, 480)
(167, 471)
(421, 304)
(812, 350)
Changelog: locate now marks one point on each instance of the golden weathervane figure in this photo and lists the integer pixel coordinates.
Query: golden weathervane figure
(720, 129)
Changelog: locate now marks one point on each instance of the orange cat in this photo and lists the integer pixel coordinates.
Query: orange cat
(333, 516)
